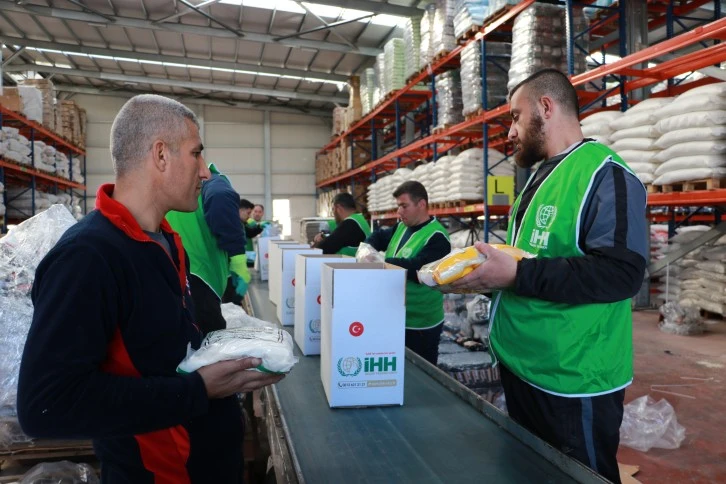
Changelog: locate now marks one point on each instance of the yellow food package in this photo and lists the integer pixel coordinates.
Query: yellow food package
(461, 262)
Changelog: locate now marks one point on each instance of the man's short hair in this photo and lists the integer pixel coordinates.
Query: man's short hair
(345, 200)
(554, 84)
(259, 205)
(143, 120)
(246, 204)
(415, 190)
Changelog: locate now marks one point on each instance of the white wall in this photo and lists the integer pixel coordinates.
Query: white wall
(233, 140)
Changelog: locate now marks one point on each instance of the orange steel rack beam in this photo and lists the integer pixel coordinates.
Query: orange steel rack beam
(24, 172)
(468, 210)
(685, 63)
(41, 132)
(449, 61)
(694, 198)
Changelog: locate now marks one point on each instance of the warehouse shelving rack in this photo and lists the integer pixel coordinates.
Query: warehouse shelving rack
(491, 125)
(31, 178)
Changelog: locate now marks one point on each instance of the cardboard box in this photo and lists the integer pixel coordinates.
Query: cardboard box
(10, 99)
(363, 334)
(286, 307)
(275, 267)
(262, 255)
(308, 299)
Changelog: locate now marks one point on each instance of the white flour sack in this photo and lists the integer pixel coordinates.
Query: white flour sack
(272, 345)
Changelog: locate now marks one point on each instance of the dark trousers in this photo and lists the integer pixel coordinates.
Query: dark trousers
(586, 428)
(230, 294)
(425, 342)
(207, 308)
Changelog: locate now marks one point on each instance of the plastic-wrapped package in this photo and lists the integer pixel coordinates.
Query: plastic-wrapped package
(21, 250)
(477, 310)
(32, 103)
(368, 253)
(379, 68)
(443, 39)
(272, 345)
(469, 14)
(427, 31)
(412, 41)
(448, 98)
(367, 88)
(394, 69)
(63, 472)
(648, 424)
(539, 42)
(461, 262)
(497, 74)
(680, 320)
(236, 317)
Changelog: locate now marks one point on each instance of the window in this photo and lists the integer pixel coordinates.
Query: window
(281, 213)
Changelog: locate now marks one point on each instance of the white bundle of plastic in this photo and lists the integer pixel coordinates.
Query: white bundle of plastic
(412, 41)
(689, 128)
(448, 98)
(272, 345)
(443, 39)
(439, 179)
(497, 72)
(76, 171)
(394, 71)
(24, 201)
(634, 135)
(539, 42)
(426, 52)
(379, 67)
(469, 14)
(367, 90)
(21, 250)
(32, 99)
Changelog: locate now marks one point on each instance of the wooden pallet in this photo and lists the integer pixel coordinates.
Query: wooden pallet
(471, 116)
(440, 55)
(650, 188)
(439, 129)
(692, 185)
(468, 34)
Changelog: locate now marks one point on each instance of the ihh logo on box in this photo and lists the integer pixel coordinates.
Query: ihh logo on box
(314, 325)
(349, 366)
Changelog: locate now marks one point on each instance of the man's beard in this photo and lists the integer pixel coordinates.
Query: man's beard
(532, 149)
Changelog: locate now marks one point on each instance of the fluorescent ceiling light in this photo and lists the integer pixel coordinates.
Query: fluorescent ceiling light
(325, 11)
(338, 84)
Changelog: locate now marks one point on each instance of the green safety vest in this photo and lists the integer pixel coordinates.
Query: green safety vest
(564, 349)
(363, 224)
(424, 305)
(207, 260)
(253, 223)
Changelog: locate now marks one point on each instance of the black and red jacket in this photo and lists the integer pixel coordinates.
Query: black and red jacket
(112, 321)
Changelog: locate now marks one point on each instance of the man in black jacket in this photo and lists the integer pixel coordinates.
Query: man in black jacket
(114, 317)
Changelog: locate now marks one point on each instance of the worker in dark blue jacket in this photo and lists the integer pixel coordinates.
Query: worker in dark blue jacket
(114, 317)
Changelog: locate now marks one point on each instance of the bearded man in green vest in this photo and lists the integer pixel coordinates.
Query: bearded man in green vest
(351, 228)
(561, 323)
(416, 240)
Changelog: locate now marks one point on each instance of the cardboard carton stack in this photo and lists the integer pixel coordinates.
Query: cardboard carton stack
(10, 99)
(70, 127)
(48, 93)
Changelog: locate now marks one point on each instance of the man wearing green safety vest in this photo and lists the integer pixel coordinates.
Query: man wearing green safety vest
(416, 240)
(215, 243)
(561, 322)
(351, 228)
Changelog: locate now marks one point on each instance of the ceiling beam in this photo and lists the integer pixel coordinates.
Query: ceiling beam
(206, 3)
(158, 81)
(375, 7)
(174, 59)
(326, 26)
(139, 23)
(193, 100)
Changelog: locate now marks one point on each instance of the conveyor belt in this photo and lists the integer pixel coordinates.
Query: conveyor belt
(435, 437)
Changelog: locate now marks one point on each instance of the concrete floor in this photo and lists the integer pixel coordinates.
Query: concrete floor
(700, 361)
